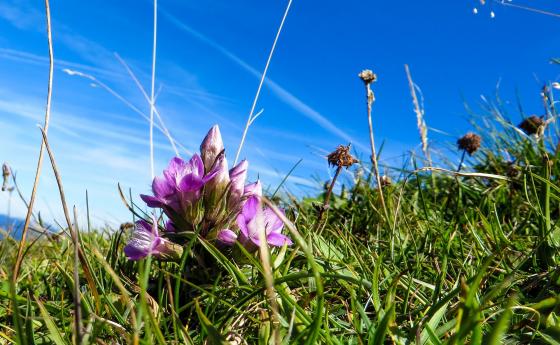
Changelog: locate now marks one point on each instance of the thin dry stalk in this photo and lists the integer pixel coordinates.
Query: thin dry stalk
(250, 119)
(162, 128)
(370, 98)
(74, 234)
(527, 8)
(152, 95)
(152, 106)
(19, 257)
(420, 121)
(326, 203)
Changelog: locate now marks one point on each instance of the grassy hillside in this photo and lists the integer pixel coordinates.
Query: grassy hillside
(462, 255)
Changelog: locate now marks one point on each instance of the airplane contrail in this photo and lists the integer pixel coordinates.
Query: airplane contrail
(277, 89)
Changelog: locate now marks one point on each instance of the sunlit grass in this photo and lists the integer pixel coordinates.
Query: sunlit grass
(468, 258)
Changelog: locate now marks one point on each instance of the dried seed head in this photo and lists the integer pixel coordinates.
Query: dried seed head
(470, 142)
(367, 76)
(513, 170)
(5, 175)
(386, 181)
(533, 125)
(341, 157)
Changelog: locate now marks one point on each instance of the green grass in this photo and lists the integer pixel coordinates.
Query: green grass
(458, 259)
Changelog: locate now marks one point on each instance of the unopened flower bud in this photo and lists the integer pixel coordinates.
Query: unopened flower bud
(211, 147)
(252, 189)
(237, 176)
(215, 201)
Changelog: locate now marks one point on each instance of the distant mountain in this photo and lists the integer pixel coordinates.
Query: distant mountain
(11, 223)
(15, 225)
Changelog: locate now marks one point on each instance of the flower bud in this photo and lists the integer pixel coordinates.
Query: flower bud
(237, 176)
(215, 201)
(211, 147)
(253, 189)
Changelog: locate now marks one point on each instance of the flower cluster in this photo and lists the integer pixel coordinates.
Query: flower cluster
(203, 196)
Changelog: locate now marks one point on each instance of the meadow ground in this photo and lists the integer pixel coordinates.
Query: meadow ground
(466, 254)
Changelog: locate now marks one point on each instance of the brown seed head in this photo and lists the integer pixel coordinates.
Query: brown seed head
(367, 76)
(533, 125)
(5, 175)
(341, 157)
(386, 181)
(470, 142)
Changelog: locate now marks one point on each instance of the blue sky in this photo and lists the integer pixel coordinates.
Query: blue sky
(209, 57)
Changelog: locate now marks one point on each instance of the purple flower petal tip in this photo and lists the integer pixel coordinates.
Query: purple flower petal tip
(151, 201)
(278, 240)
(227, 237)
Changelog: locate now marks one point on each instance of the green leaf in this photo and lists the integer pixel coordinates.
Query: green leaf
(55, 334)
(214, 336)
(383, 326)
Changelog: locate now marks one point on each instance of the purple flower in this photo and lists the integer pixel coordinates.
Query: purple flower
(145, 240)
(237, 177)
(250, 221)
(253, 189)
(170, 226)
(211, 147)
(180, 187)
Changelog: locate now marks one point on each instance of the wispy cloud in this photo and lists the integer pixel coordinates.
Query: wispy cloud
(277, 89)
(20, 15)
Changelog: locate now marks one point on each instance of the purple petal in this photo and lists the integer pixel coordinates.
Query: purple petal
(141, 241)
(145, 241)
(161, 187)
(175, 166)
(278, 240)
(190, 183)
(250, 208)
(135, 253)
(272, 222)
(212, 174)
(170, 226)
(242, 223)
(196, 165)
(227, 236)
(143, 225)
(253, 189)
(253, 230)
(219, 171)
(239, 170)
(152, 201)
(237, 176)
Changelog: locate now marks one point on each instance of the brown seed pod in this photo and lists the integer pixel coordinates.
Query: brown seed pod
(533, 125)
(470, 142)
(367, 76)
(341, 157)
(5, 175)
